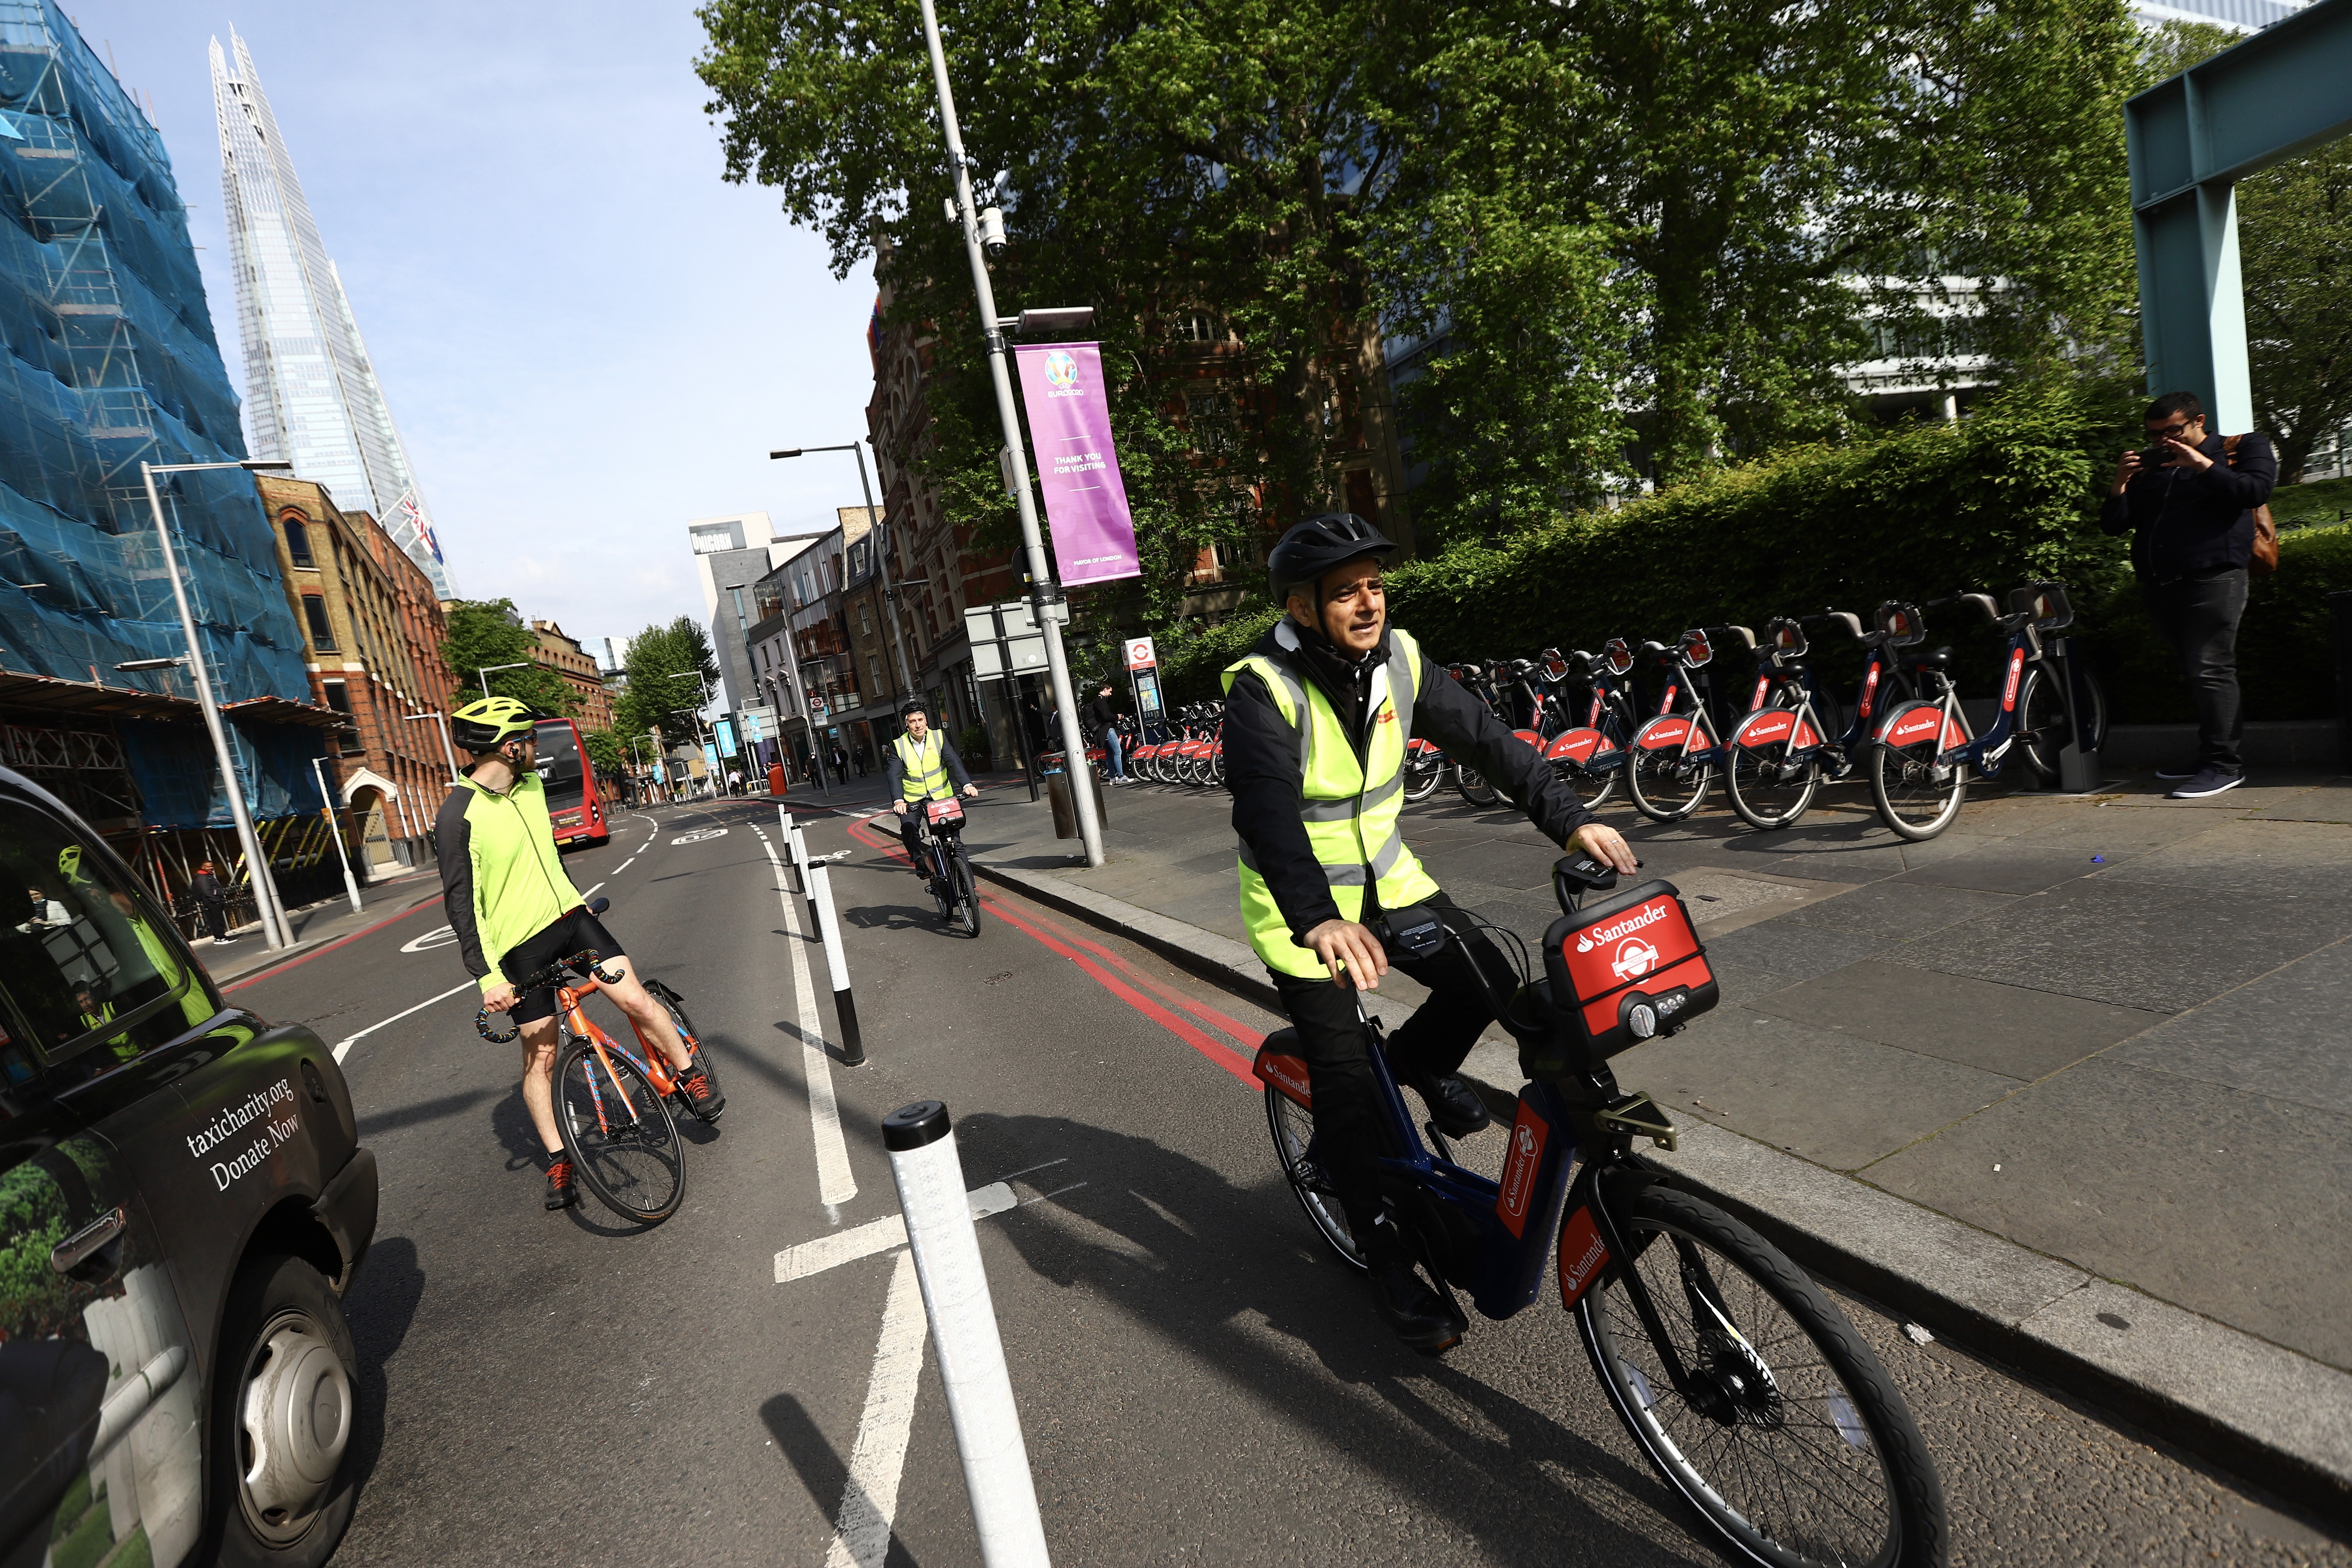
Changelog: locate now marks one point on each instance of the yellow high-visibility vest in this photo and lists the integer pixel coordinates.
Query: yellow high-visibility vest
(926, 773)
(1352, 811)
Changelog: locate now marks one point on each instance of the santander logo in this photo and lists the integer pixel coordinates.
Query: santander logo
(1636, 957)
(1647, 915)
(2016, 666)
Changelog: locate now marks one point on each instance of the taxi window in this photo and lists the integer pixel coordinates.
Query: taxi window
(79, 955)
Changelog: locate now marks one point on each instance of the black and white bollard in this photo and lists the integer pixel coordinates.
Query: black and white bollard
(792, 835)
(924, 1162)
(836, 963)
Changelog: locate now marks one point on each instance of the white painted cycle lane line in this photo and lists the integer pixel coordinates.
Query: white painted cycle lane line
(836, 1185)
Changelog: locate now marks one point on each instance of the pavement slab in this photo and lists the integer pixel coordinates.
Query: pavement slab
(2281, 1034)
(2007, 1029)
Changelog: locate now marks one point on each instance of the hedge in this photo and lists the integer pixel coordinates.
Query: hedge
(1915, 511)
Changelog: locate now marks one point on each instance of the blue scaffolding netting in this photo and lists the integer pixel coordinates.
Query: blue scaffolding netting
(109, 361)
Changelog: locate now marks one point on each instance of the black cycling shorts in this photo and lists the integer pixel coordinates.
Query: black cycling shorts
(577, 931)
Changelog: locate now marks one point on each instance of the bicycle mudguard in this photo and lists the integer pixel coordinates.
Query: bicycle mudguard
(1281, 1071)
(1916, 720)
(1615, 974)
(1661, 732)
(1770, 726)
(1579, 747)
(1530, 737)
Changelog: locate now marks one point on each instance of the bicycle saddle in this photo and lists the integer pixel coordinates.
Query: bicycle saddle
(1938, 658)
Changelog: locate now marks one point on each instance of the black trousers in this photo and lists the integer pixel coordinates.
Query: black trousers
(1435, 1040)
(215, 922)
(2199, 617)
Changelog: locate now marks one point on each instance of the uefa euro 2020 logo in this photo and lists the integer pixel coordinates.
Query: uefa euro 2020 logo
(1061, 371)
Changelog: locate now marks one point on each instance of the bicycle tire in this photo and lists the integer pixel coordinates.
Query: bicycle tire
(1474, 788)
(1422, 778)
(1822, 1407)
(1292, 1127)
(967, 893)
(1763, 791)
(2043, 721)
(1594, 788)
(632, 1158)
(1911, 800)
(1662, 785)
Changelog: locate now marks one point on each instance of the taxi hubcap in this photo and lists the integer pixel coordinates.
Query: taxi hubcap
(297, 1422)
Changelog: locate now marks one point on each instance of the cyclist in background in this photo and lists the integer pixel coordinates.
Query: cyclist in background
(923, 766)
(1316, 720)
(514, 910)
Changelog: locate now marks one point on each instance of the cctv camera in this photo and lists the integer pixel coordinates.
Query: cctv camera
(992, 230)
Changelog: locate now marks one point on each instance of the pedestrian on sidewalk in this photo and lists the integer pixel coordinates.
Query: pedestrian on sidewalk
(210, 899)
(2189, 503)
(1316, 719)
(1102, 722)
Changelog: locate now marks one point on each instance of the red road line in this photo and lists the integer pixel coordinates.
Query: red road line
(1248, 1037)
(1215, 1050)
(276, 969)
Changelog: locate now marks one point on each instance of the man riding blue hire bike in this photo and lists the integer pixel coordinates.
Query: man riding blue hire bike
(1317, 722)
(923, 767)
(514, 910)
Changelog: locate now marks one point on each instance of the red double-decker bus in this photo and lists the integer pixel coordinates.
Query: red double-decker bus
(571, 782)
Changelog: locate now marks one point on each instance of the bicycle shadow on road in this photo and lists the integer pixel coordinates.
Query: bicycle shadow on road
(1200, 1263)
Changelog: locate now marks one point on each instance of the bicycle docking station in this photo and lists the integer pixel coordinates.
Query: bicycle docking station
(920, 1141)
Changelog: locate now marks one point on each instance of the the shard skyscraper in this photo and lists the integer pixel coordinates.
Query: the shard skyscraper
(310, 394)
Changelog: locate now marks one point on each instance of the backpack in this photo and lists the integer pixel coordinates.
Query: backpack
(2265, 559)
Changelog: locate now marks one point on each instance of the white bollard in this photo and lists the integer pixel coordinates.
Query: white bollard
(836, 963)
(791, 837)
(924, 1162)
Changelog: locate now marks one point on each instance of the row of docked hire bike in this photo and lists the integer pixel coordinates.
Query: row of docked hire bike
(1906, 729)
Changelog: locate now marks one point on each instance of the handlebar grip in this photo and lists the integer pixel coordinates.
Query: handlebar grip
(482, 1027)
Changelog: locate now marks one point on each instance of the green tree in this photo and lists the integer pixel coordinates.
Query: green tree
(609, 750)
(670, 666)
(489, 632)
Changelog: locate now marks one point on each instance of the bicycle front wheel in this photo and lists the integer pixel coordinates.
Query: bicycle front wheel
(1665, 784)
(1916, 796)
(1474, 788)
(2045, 724)
(1792, 1442)
(967, 894)
(619, 1134)
(1422, 774)
(1293, 1128)
(1767, 789)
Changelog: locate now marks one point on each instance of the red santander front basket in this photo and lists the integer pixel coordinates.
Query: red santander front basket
(1618, 973)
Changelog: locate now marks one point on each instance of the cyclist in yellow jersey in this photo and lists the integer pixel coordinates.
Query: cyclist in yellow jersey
(923, 766)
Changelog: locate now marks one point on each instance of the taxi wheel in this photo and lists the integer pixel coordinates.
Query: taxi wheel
(285, 1407)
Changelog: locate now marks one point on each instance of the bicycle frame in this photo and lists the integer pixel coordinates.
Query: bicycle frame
(1680, 684)
(1601, 742)
(652, 1065)
(1959, 748)
(1838, 754)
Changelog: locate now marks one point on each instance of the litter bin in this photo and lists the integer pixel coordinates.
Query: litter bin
(1065, 811)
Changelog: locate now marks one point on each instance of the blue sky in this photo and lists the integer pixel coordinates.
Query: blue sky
(586, 335)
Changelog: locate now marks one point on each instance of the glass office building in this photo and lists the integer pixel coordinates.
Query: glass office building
(311, 393)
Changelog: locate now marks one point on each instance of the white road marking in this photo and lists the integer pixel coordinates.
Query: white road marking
(835, 1184)
(699, 834)
(877, 1235)
(870, 1500)
(624, 865)
(439, 936)
(343, 1046)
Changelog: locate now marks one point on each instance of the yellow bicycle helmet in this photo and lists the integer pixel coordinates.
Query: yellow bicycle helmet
(490, 723)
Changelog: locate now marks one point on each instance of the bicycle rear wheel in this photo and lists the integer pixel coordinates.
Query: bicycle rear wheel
(1293, 1128)
(1422, 774)
(1474, 788)
(1915, 797)
(2045, 724)
(1794, 1445)
(620, 1136)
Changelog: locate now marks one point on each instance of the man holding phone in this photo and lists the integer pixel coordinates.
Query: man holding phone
(2188, 503)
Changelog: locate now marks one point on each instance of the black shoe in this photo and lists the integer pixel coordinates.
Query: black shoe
(561, 1193)
(2179, 771)
(2208, 782)
(1453, 1104)
(701, 1086)
(1422, 1318)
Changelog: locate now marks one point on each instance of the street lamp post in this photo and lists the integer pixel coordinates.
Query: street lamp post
(265, 887)
(1052, 610)
(482, 674)
(881, 554)
(447, 754)
(327, 806)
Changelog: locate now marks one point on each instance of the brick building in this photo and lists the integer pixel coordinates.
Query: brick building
(372, 631)
(578, 668)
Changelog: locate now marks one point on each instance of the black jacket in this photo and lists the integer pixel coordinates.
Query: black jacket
(2183, 521)
(207, 888)
(1262, 766)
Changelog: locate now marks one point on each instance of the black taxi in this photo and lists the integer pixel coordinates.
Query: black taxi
(183, 1201)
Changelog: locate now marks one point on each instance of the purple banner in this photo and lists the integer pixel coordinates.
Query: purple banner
(1078, 468)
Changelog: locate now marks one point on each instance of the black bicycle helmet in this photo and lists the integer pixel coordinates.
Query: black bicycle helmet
(1311, 548)
(486, 725)
(913, 705)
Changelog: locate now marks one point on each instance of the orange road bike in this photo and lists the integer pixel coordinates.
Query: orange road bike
(612, 1104)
